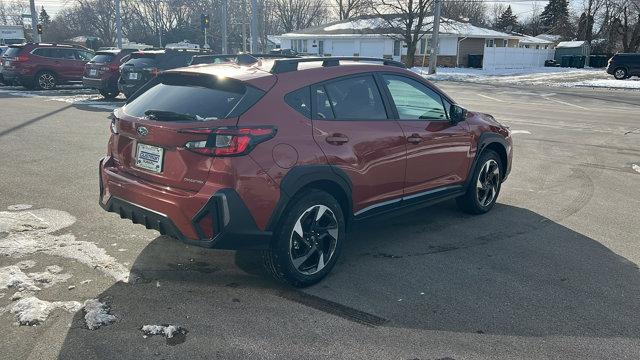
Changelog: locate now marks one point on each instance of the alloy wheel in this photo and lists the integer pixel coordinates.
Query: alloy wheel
(488, 182)
(313, 239)
(46, 81)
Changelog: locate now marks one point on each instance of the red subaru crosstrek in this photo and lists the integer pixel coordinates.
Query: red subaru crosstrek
(284, 155)
(43, 66)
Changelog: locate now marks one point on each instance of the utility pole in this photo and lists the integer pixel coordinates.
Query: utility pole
(224, 27)
(433, 57)
(118, 25)
(254, 26)
(34, 21)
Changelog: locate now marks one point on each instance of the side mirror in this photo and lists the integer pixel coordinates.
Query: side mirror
(457, 113)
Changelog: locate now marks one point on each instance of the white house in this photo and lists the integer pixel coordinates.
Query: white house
(372, 36)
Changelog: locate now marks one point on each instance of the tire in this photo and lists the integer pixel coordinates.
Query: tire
(109, 94)
(324, 236)
(620, 73)
(484, 186)
(45, 80)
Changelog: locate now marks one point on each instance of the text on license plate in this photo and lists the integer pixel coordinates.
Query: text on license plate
(93, 72)
(134, 76)
(149, 157)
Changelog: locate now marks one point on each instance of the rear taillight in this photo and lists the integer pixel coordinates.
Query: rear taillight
(229, 141)
(21, 58)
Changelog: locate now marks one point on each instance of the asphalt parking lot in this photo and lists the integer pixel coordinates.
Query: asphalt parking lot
(551, 272)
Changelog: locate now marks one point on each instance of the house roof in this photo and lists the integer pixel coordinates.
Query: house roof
(526, 39)
(549, 37)
(570, 44)
(376, 25)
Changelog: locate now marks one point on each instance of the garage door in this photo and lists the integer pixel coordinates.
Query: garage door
(342, 48)
(372, 48)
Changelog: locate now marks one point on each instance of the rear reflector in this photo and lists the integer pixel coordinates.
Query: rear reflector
(228, 141)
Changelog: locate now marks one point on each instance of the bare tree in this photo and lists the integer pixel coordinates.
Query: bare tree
(407, 21)
(348, 9)
(472, 11)
(494, 13)
(299, 14)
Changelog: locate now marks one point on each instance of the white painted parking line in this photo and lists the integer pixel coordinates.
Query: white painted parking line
(636, 167)
(490, 98)
(566, 103)
(513, 132)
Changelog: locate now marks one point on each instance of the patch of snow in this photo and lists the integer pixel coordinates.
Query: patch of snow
(26, 264)
(31, 231)
(85, 281)
(606, 83)
(636, 167)
(48, 278)
(12, 277)
(2, 295)
(33, 311)
(168, 331)
(71, 287)
(18, 207)
(97, 314)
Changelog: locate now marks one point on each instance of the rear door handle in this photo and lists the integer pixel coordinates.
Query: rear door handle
(414, 139)
(337, 139)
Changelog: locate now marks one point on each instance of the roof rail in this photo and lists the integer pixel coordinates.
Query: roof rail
(287, 65)
(240, 59)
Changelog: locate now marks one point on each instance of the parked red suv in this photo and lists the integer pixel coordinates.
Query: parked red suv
(43, 66)
(284, 155)
(103, 71)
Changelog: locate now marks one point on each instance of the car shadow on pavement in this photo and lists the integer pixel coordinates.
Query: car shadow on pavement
(510, 272)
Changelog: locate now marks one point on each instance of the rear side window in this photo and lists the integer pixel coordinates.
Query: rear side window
(202, 97)
(172, 61)
(321, 104)
(300, 100)
(83, 55)
(102, 58)
(12, 52)
(356, 98)
(45, 52)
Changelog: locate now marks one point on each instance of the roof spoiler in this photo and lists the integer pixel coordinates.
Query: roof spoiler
(287, 65)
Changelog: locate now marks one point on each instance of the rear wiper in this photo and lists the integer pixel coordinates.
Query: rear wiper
(169, 115)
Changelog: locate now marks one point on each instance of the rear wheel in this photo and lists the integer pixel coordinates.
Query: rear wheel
(45, 80)
(308, 240)
(109, 94)
(620, 73)
(485, 184)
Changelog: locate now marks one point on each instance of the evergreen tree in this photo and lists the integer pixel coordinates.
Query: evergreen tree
(585, 27)
(45, 20)
(555, 18)
(507, 21)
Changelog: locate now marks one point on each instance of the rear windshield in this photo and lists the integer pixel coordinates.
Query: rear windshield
(102, 58)
(141, 62)
(12, 52)
(204, 98)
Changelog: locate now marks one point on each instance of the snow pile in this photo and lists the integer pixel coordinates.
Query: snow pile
(50, 277)
(18, 207)
(33, 311)
(31, 231)
(168, 331)
(70, 96)
(546, 76)
(97, 314)
(12, 277)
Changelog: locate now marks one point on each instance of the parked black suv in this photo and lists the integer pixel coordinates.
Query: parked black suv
(624, 66)
(146, 65)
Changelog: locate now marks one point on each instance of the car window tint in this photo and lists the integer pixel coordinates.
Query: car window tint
(321, 105)
(12, 52)
(300, 100)
(44, 52)
(198, 97)
(356, 98)
(68, 54)
(83, 55)
(414, 100)
(102, 58)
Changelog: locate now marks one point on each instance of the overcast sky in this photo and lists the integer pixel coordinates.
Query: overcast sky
(522, 9)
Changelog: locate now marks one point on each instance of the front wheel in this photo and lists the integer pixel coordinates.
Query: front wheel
(484, 186)
(308, 240)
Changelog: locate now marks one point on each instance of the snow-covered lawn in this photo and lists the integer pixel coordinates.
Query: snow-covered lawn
(548, 76)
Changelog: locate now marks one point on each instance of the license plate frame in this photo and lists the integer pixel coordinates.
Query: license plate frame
(93, 72)
(134, 76)
(152, 157)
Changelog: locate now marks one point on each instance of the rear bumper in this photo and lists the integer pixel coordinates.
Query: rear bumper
(128, 89)
(99, 84)
(174, 215)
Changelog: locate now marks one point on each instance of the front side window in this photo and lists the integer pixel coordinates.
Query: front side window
(356, 98)
(321, 105)
(414, 100)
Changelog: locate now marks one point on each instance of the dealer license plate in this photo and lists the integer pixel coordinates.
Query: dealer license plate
(149, 157)
(134, 76)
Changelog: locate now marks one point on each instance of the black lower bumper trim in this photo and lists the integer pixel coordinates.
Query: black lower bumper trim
(239, 232)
